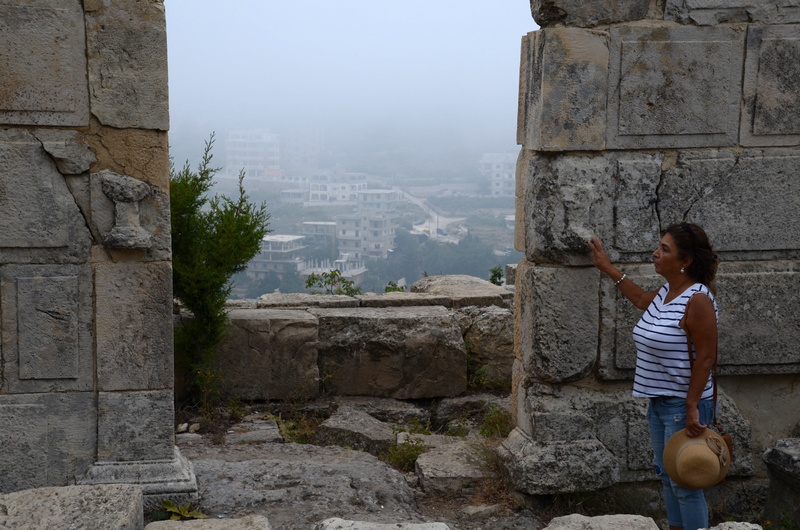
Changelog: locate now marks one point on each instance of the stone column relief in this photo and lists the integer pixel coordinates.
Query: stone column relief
(86, 393)
(634, 115)
(126, 192)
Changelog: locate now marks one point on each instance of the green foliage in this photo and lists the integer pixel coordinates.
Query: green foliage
(404, 455)
(392, 287)
(332, 283)
(298, 427)
(477, 378)
(181, 511)
(458, 428)
(236, 410)
(496, 423)
(496, 275)
(212, 239)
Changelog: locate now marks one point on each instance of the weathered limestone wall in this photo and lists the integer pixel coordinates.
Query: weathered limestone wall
(415, 345)
(635, 114)
(85, 273)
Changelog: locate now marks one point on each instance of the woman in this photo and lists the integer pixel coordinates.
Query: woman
(680, 393)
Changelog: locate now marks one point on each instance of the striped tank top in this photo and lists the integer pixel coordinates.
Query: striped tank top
(662, 360)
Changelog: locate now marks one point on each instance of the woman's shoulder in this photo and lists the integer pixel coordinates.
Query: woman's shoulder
(699, 289)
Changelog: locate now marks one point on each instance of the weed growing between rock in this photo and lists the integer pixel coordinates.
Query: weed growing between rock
(298, 426)
(496, 423)
(495, 488)
(403, 456)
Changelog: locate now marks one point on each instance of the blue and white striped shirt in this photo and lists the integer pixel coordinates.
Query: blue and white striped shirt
(662, 359)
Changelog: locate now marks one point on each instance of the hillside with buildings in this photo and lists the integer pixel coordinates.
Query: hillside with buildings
(327, 217)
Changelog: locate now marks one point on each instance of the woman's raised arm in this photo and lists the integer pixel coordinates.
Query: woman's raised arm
(637, 296)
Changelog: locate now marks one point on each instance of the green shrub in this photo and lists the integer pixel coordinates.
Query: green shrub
(332, 283)
(404, 455)
(496, 275)
(496, 423)
(212, 239)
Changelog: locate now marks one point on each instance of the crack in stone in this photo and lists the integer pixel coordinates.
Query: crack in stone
(700, 194)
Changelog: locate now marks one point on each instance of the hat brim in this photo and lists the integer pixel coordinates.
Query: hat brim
(700, 466)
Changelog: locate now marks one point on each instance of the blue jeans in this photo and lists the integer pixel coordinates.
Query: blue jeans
(685, 507)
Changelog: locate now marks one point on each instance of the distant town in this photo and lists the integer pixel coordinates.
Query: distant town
(374, 229)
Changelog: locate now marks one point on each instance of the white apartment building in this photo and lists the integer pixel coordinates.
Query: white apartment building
(368, 232)
(352, 269)
(279, 254)
(335, 187)
(258, 153)
(499, 169)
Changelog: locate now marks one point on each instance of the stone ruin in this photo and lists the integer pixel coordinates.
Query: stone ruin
(85, 275)
(634, 114)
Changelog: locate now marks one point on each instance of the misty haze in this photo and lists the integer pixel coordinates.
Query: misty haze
(382, 139)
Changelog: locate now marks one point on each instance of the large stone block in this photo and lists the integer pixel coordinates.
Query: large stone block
(135, 426)
(747, 346)
(783, 464)
(557, 322)
(563, 86)
(117, 506)
(50, 438)
(43, 53)
(713, 12)
(568, 199)
(602, 522)
(674, 87)
(610, 415)
(134, 326)
(269, 354)
(588, 14)
(46, 328)
(747, 202)
(756, 399)
(39, 220)
(771, 107)
(490, 335)
(459, 290)
(404, 353)
(548, 468)
(127, 57)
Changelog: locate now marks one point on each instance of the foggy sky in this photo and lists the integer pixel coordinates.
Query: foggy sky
(447, 69)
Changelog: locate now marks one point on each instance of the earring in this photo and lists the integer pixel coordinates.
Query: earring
(682, 270)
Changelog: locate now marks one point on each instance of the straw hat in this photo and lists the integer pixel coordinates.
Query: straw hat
(696, 463)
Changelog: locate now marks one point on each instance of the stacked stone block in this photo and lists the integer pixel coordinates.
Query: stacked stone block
(85, 274)
(634, 115)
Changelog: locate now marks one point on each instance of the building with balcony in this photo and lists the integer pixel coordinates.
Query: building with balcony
(368, 232)
(279, 254)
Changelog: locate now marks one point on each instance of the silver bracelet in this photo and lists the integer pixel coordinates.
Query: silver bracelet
(616, 283)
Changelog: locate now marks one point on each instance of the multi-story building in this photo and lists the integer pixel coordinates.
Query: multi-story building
(258, 153)
(498, 169)
(352, 269)
(279, 254)
(369, 231)
(322, 236)
(335, 187)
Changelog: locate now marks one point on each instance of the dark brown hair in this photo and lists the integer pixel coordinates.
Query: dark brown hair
(693, 242)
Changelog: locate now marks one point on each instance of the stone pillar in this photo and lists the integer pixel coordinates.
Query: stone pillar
(85, 266)
(783, 465)
(635, 114)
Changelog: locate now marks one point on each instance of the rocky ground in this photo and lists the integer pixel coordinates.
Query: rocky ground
(252, 469)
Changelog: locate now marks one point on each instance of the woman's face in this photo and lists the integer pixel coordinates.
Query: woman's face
(666, 259)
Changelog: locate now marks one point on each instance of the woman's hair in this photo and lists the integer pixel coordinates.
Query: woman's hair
(693, 242)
